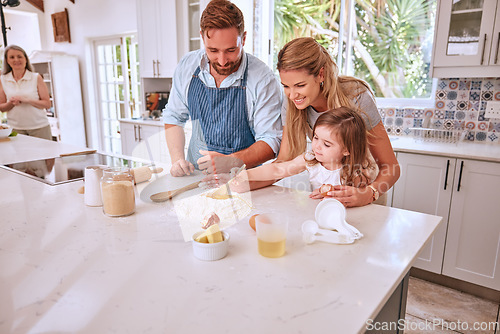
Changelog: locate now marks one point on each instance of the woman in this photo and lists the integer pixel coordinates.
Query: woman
(24, 95)
(312, 84)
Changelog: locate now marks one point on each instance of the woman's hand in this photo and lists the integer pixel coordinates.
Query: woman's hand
(15, 100)
(351, 196)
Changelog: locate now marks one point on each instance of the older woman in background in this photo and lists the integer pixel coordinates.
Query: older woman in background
(24, 95)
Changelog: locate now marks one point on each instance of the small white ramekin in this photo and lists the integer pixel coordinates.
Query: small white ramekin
(210, 252)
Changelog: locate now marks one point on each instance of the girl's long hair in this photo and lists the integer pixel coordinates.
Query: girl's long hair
(348, 127)
(304, 53)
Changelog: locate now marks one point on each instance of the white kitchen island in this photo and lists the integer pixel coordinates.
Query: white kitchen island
(67, 268)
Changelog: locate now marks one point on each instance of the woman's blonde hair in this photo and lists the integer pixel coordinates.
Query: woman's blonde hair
(305, 53)
(6, 67)
(348, 127)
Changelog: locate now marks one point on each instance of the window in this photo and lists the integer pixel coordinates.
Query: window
(388, 43)
(118, 82)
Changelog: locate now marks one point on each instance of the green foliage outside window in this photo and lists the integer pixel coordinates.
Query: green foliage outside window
(392, 42)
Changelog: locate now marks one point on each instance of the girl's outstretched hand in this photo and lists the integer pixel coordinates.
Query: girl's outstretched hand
(351, 196)
(240, 183)
(316, 194)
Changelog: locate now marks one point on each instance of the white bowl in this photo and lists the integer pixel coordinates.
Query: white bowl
(4, 133)
(210, 252)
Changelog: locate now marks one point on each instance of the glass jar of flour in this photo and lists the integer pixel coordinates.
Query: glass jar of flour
(117, 189)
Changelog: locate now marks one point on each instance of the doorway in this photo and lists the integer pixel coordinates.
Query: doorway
(118, 87)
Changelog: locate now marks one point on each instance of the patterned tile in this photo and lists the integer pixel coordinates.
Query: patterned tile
(475, 85)
(453, 84)
(437, 124)
(488, 85)
(459, 125)
(441, 95)
(471, 115)
(451, 105)
(408, 112)
(473, 105)
(469, 136)
(481, 136)
(482, 126)
(470, 125)
(494, 127)
(464, 85)
(460, 103)
(439, 114)
(448, 124)
(493, 137)
(481, 117)
(474, 96)
(460, 115)
(452, 95)
(487, 95)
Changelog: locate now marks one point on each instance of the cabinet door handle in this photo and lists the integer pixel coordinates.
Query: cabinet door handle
(460, 176)
(446, 176)
(135, 132)
(158, 68)
(498, 45)
(484, 47)
(154, 68)
(139, 132)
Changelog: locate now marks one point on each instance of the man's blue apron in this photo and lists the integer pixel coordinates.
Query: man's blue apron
(219, 117)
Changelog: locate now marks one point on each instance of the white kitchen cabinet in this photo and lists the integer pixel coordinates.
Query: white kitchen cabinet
(425, 185)
(157, 32)
(464, 193)
(144, 141)
(466, 39)
(61, 74)
(473, 242)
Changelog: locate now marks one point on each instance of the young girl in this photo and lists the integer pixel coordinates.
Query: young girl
(339, 155)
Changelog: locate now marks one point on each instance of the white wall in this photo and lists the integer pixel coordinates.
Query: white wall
(19, 23)
(88, 19)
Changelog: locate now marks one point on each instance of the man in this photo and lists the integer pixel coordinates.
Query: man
(232, 98)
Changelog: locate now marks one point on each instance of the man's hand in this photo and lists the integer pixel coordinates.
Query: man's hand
(181, 167)
(217, 163)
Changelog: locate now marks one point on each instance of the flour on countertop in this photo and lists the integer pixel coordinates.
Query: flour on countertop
(191, 211)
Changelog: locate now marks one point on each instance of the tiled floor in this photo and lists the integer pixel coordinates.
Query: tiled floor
(433, 308)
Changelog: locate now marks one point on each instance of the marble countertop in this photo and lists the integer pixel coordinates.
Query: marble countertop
(461, 150)
(149, 121)
(24, 148)
(67, 267)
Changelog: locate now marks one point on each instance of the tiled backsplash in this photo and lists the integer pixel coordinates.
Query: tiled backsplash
(460, 105)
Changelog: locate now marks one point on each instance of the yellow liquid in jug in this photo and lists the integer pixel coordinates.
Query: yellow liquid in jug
(271, 249)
